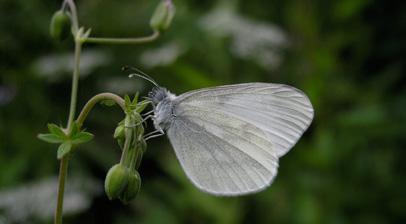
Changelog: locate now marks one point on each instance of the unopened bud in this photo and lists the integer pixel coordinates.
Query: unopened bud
(163, 15)
(60, 25)
(119, 134)
(116, 181)
(132, 188)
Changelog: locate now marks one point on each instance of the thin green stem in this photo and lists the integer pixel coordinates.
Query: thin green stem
(127, 144)
(139, 40)
(75, 84)
(94, 100)
(80, 37)
(63, 170)
(74, 16)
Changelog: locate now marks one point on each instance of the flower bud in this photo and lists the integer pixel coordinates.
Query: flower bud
(132, 188)
(163, 15)
(119, 134)
(60, 25)
(116, 181)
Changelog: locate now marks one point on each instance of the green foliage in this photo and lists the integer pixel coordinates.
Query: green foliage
(81, 137)
(55, 135)
(133, 105)
(64, 149)
(68, 141)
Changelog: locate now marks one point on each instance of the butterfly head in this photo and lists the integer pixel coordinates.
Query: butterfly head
(158, 94)
(162, 101)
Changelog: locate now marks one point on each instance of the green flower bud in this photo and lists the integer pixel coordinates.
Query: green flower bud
(119, 134)
(60, 25)
(132, 188)
(116, 181)
(163, 15)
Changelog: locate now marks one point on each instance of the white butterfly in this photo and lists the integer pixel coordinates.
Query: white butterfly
(228, 138)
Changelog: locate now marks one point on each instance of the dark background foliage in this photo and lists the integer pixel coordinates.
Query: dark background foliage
(347, 55)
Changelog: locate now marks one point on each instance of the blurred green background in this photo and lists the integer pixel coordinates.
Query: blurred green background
(347, 55)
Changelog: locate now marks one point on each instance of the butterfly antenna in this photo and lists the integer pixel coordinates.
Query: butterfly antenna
(141, 75)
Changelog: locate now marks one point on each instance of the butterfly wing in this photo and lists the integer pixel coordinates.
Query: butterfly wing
(228, 139)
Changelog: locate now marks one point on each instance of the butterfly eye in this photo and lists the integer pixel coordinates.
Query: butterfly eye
(157, 95)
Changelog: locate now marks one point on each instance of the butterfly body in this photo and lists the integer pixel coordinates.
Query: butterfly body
(162, 101)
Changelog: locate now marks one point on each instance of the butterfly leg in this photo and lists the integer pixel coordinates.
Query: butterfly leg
(154, 134)
(143, 120)
(148, 113)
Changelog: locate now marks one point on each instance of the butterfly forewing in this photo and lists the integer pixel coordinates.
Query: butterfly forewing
(228, 139)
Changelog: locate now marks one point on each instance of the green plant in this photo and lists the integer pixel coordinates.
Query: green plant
(123, 180)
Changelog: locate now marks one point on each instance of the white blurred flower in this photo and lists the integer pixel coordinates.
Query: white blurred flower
(164, 55)
(37, 201)
(53, 66)
(262, 42)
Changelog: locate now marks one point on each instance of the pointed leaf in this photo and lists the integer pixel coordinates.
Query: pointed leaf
(56, 130)
(127, 100)
(135, 99)
(82, 137)
(64, 149)
(127, 103)
(50, 138)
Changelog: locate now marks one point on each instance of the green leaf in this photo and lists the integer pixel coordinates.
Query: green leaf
(135, 99)
(127, 103)
(56, 130)
(127, 100)
(82, 137)
(50, 138)
(64, 149)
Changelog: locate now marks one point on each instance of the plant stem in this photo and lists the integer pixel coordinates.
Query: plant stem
(81, 38)
(74, 16)
(95, 99)
(139, 40)
(63, 170)
(128, 139)
(75, 83)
